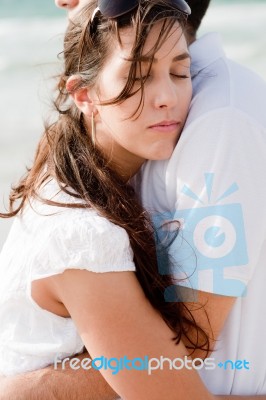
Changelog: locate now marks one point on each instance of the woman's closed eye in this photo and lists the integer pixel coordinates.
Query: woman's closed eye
(181, 76)
(177, 76)
(182, 72)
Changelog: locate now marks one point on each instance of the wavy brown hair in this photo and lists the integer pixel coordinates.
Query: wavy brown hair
(67, 154)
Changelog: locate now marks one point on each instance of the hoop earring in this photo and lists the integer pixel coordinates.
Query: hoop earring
(93, 130)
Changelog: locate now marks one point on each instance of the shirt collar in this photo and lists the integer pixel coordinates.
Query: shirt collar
(204, 51)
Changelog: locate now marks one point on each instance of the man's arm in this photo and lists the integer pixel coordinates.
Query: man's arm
(57, 384)
(67, 384)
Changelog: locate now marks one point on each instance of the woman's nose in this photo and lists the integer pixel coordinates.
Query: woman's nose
(166, 95)
(66, 3)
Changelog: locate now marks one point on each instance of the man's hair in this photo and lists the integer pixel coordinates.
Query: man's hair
(198, 10)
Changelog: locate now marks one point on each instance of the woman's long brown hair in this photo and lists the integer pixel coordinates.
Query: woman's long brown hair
(67, 154)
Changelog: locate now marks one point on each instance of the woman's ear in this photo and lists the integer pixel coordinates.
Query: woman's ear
(80, 96)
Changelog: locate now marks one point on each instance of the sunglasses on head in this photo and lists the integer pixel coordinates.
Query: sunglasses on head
(116, 8)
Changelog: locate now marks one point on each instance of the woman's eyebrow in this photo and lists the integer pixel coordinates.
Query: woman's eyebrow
(180, 57)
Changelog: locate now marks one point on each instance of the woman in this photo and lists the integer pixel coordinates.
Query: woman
(67, 269)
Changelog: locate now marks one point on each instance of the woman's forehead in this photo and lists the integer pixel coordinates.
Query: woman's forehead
(174, 39)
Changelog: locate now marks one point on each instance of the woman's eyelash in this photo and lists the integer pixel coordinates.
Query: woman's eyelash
(181, 76)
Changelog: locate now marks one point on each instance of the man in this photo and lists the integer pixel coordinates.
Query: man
(214, 184)
(72, 6)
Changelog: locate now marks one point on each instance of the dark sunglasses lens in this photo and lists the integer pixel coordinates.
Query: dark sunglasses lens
(183, 6)
(115, 8)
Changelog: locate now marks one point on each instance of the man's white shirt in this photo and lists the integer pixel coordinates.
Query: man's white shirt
(215, 186)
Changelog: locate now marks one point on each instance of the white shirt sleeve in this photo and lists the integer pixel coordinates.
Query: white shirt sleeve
(216, 189)
(73, 241)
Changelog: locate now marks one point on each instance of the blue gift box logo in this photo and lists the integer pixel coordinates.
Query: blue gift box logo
(211, 237)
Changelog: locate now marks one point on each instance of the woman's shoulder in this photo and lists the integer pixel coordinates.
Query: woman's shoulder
(71, 236)
(69, 214)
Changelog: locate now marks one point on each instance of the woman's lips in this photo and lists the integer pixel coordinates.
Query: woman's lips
(165, 126)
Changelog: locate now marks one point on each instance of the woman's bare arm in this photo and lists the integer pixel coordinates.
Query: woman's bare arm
(115, 319)
(109, 298)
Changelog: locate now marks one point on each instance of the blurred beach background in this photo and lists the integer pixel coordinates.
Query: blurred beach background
(31, 34)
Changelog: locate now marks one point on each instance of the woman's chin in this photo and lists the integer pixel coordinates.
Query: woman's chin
(164, 153)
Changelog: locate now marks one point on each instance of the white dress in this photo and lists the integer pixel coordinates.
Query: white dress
(44, 241)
